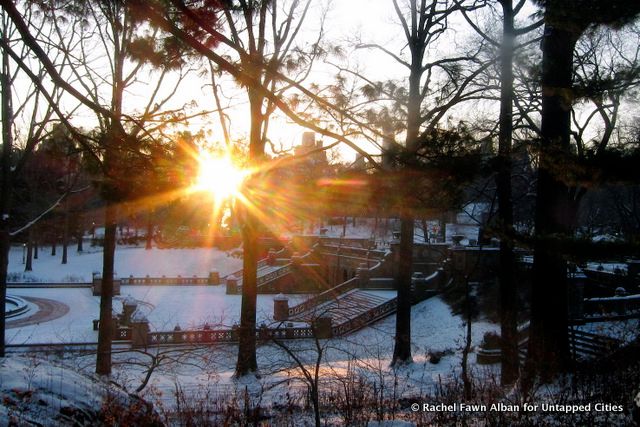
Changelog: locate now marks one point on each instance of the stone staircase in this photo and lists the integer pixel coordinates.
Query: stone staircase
(344, 308)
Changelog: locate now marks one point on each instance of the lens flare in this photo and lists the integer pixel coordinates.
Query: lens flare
(219, 176)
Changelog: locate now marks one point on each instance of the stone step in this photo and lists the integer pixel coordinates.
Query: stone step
(345, 307)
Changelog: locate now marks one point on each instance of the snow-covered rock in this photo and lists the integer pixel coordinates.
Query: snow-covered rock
(36, 391)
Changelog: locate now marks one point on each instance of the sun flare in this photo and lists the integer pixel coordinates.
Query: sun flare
(219, 176)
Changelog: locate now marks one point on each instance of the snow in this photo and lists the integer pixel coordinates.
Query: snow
(36, 391)
(434, 328)
(164, 307)
(367, 352)
(128, 261)
(208, 370)
(609, 267)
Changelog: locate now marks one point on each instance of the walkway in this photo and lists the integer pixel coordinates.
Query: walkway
(48, 309)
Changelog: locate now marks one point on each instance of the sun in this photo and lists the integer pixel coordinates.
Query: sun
(219, 176)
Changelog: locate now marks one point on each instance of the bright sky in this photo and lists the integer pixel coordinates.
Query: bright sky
(347, 22)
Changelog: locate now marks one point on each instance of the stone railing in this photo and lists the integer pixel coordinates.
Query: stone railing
(164, 280)
(352, 252)
(325, 296)
(361, 280)
(204, 336)
(261, 263)
(263, 280)
(427, 285)
(369, 316)
(194, 336)
(618, 307)
(353, 242)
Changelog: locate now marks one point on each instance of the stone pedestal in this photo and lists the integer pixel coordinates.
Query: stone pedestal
(129, 306)
(362, 272)
(271, 257)
(232, 285)
(214, 277)
(280, 308)
(322, 327)
(139, 332)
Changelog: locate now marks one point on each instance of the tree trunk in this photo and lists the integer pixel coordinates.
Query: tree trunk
(28, 265)
(5, 185)
(5, 246)
(402, 347)
(53, 245)
(466, 379)
(105, 332)
(549, 342)
(246, 361)
(246, 335)
(80, 236)
(506, 275)
(65, 232)
(149, 244)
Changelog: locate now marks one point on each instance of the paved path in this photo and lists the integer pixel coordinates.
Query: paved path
(48, 309)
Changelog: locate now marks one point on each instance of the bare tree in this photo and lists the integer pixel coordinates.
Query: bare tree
(435, 86)
(26, 120)
(107, 31)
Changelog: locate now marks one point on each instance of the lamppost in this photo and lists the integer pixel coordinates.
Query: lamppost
(24, 253)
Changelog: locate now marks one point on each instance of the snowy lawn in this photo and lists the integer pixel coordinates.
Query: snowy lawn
(164, 306)
(134, 261)
(366, 353)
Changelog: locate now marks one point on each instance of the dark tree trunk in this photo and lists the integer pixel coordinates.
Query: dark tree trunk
(246, 361)
(246, 334)
(54, 242)
(466, 379)
(443, 228)
(402, 348)
(35, 246)
(5, 187)
(28, 265)
(79, 237)
(506, 274)
(5, 245)
(105, 332)
(65, 233)
(149, 244)
(425, 230)
(549, 342)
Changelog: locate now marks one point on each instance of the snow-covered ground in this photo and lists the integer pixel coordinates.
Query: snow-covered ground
(134, 261)
(164, 306)
(365, 354)
(36, 391)
(434, 327)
